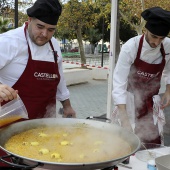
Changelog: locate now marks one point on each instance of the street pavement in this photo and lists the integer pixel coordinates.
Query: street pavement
(90, 99)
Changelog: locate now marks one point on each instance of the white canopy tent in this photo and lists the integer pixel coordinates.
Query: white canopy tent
(112, 54)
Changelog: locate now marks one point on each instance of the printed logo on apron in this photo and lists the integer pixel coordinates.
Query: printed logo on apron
(45, 76)
(146, 75)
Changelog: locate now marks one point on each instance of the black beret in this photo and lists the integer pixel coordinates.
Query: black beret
(158, 20)
(47, 11)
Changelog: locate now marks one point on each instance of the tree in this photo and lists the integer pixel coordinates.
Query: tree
(130, 11)
(7, 9)
(4, 25)
(99, 25)
(76, 17)
(93, 36)
(102, 10)
(126, 32)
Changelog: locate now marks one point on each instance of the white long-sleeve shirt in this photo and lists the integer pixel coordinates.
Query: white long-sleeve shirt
(14, 57)
(127, 57)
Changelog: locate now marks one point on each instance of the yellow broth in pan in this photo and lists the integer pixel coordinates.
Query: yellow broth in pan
(68, 144)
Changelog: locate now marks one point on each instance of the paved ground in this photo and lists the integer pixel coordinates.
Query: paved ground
(89, 99)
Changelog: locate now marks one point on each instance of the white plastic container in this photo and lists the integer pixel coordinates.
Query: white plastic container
(12, 111)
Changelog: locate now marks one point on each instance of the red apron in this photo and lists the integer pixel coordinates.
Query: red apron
(37, 85)
(144, 82)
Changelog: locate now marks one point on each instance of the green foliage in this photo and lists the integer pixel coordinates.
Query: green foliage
(86, 15)
(22, 17)
(106, 27)
(4, 25)
(92, 35)
(125, 31)
(75, 14)
(6, 6)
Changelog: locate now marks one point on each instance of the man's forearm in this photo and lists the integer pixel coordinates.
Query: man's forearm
(66, 103)
(122, 112)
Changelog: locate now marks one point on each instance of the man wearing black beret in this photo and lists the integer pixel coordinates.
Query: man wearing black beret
(137, 77)
(31, 63)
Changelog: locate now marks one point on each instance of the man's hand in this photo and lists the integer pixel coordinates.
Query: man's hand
(7, 93)
(68, 110)
(124, 119)
(69, 113)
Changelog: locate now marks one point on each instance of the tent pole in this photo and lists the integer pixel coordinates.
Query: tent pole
(112, 54)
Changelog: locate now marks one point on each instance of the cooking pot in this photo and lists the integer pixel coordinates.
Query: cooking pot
(163, 162)
(113, 129)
